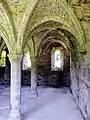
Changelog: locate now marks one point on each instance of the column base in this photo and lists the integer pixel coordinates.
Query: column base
(33, 95)
(14, 116)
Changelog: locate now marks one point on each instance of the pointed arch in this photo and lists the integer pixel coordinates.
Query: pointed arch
(28, 12)
(56, 41)
(4, 35)
(7, 28)
(67, 12)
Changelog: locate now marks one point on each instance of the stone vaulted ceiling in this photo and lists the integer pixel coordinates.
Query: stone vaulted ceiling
(21, 20)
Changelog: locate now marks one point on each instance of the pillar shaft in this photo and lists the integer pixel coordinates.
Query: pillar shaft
(15, 91)
(33, 77)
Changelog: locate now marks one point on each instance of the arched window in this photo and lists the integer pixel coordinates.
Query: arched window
(26, 63)
(56, 59)
(3, 59)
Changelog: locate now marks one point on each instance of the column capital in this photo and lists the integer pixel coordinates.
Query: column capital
(33, 57)
(13, 57)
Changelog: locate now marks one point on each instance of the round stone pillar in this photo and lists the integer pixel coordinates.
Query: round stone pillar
(15, 90)
(33, 78)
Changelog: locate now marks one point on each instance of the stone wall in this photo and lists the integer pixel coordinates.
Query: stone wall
(80, 85)
(4, 75)
(45, 75)
(26, 77)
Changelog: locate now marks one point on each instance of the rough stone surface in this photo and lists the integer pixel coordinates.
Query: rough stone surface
(27, 25)
(45, 74)
(80, 88)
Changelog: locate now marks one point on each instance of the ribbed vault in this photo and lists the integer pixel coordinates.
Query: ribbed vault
(19, 21)
(54, 14)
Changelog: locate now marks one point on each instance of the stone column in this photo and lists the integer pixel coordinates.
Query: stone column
(33, 78)
(15, 92)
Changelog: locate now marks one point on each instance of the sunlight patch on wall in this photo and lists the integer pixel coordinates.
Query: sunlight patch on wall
(26, 63)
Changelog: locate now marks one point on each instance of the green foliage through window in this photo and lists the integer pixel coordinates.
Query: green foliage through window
(3, 59)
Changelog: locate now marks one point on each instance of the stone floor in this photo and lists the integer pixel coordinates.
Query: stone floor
(52, 104)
